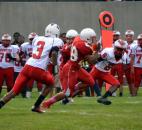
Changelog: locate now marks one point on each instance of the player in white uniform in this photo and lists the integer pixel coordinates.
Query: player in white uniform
(8, 54)
(108, 57)
(18, 65)
(35, 67)
(117, 68)
(27, 48)
(136, 63)
(129, 37)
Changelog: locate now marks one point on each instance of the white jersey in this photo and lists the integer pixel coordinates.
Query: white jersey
(41, 49)
(126, 57)
(4, 61)
(17, 65)
(137, 52)
(109, 59)
(27, 48)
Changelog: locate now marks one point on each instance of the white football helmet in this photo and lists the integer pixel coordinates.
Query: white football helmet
(32, 35)
(116, 32)
(129, 32)
(87, 34)
(6, 36)
(139, 36)
(120, 44)
(52, 30)
(71, 33)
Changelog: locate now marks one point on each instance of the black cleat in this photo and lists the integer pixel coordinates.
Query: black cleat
(104, 101)
(37, 109)
(65, 101)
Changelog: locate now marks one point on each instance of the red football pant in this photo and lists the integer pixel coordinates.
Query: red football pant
(118, 69)
(103, 77)
(137, 76)
(128, 74)
(74, 74)
(31, 83)
(7, 74)
(30, 72)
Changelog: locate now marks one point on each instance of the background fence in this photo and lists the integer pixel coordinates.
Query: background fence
(26, 17)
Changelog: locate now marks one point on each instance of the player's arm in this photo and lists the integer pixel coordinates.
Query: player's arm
(54, 55)
(14, 58)
(92, 59)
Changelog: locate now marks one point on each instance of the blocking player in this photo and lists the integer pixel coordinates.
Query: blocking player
(108, 57)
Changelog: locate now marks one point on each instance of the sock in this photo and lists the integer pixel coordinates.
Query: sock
(39, 100)
(108, 93)
(97, 89)
(1, 104)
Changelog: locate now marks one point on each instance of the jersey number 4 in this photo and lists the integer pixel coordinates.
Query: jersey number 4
(39, 50)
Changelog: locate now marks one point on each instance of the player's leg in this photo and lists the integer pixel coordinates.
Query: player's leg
(129, 78)
(19, 84)
(45, 78)
(69, 80)
(120, 78)
(108, 78)
(39, 87)
(30, 85)
(9, 78)
(1, 78)
(137, 79)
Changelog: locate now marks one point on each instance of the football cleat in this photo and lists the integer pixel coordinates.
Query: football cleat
(104, 101)
(65, 101)
(37, 109)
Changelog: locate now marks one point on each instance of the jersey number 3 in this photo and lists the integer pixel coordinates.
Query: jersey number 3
(39, 50)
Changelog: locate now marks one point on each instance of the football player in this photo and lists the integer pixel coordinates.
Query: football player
(35, 67)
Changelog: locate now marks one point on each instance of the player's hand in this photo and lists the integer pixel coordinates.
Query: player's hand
(8, 55)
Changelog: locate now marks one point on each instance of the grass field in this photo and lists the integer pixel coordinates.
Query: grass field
(85, 113)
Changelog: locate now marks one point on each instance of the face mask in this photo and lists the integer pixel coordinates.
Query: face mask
(118, 55)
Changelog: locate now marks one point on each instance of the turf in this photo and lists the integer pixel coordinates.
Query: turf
(85, 113)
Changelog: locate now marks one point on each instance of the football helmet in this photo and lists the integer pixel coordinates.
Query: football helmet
(129, 32)
(71, 33)
(6, 36)
(32, 35)
(6, 40)
(52, 30)
(120, 44)
(139, 36)
(87, 35)
(116, 32)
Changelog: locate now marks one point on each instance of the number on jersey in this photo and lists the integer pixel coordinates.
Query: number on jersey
(39, 50)
(74, 53)
(139, 56)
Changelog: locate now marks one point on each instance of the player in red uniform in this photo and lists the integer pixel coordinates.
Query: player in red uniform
(65, 56)
(81, 47)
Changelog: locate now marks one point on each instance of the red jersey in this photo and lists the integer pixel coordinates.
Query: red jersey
(79, 50)
(65, 51)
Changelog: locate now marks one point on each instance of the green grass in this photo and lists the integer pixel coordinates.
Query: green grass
(85, 113)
